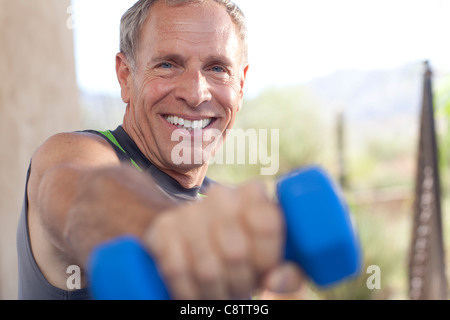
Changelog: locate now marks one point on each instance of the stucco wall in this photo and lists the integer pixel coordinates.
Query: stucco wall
(38, 97)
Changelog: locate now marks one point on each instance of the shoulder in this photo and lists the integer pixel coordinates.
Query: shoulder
(75, 147)
(74, 140)
(73, 150)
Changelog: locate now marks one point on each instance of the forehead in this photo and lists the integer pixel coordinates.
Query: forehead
(204, 23)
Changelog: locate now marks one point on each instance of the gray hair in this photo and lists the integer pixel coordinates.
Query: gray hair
(133, 21)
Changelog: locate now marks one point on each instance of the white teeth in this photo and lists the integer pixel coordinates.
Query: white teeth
(189, 124)
(206, 122)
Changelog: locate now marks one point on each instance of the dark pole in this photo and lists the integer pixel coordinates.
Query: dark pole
(341, 149)
(427, 278)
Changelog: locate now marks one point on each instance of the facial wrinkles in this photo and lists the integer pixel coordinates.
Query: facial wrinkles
(234, 83)
(231, 77)
(195, 32)
(142, 122)
(197, 29)
(184, 34)
(190, 39)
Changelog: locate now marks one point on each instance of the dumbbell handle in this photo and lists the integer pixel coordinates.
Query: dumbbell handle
(320, 238)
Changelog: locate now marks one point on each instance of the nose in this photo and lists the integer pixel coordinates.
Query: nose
(193, 88)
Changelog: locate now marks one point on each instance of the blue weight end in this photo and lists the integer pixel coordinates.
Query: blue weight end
(122, 270)
(320, 235)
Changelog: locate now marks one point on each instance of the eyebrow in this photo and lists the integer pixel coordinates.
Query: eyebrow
(220, 59)
(165, 57)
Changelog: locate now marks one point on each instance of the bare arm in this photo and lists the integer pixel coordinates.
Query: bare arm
(109, 203)
(80, 195)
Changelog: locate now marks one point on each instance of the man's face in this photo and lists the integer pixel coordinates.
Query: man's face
(189, 74)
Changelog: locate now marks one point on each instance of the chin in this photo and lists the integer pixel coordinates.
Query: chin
(194, 170)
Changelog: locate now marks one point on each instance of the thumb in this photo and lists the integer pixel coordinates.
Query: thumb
(286, 278)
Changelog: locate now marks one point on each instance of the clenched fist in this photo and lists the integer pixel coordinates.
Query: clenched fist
(223, 247)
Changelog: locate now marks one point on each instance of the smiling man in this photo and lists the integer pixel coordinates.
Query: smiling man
(182, 69)
(189, 73)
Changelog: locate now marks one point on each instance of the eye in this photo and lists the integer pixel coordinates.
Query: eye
(217, 69)
(165, 65)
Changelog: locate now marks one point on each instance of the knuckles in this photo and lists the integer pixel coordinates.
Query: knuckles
(218, 234)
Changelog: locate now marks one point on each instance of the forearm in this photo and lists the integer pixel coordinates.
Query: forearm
(98, 205)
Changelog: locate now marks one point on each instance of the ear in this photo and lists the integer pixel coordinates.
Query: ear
(242, 83)
(123, 71)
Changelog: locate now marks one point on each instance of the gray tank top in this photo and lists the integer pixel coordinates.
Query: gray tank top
(32, 283)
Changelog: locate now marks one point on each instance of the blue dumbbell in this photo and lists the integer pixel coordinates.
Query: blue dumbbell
(320, 238)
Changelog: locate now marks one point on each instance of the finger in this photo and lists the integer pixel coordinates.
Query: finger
(205, 261)
(167, 246)
(234, 248)
(264, 221)
(286, 278)
(176, 270)
(232, 242)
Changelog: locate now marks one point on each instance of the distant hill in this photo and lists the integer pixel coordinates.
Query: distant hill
(376, 103)
(372, 95)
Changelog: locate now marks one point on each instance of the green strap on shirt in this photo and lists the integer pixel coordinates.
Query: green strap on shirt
(113, 139)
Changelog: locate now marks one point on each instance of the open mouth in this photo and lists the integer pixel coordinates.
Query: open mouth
(189, 125)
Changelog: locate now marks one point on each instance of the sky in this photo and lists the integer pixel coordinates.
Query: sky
(290, 41)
